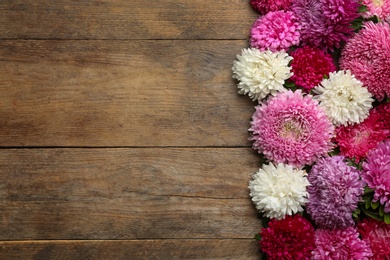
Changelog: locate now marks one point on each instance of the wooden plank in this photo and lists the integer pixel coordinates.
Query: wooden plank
(123, 19)
(121, 93)
(126, 193)
(146, 249)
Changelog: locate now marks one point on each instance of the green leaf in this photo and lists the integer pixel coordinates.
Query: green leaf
(367, 190)
(387, 218)
(289, 84)
(382, 211)
(357, 211)
(257, 237)
(368, 204)
(372, 215)
(375, 205)
(362, 9)
(325, 76)
(374, 19)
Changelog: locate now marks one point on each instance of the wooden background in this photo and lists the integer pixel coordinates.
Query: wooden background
(122, 134)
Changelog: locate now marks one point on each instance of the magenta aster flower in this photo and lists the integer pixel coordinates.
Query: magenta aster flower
(380, 8)
(265, 6)
(377, 235)
(356, 140)
(289, 238)
(325, 23)
(275, 31)
(291, 128)
(334, 192)
(377, 173)
(340, 244)
(367, 55)
(309, 66)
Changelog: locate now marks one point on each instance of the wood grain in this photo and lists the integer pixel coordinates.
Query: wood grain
(123, 19)
(121, 93)
(126, 193)
(134, 249)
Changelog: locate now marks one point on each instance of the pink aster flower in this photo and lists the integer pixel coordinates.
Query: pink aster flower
(265, 6)
(377, 173)
(289, 238)
(309, 66)
(325, 23)
(367, 55)
(275, 31)
(377, 235)
(334, 192)
(340, 244)
(356, 140)
(291, 128)
(380, 8)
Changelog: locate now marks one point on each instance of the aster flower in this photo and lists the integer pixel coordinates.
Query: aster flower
(309, 65)
(380, 8)
(334, 192)
(279, 190)
(344, 98)
(261, 73)
(367, 55)
(377, 173)
(325, 23)
(290, 128)
(289, 238)
(355, 141)
(340, 244)
(265, 6)
(275, 31)
(377, 235)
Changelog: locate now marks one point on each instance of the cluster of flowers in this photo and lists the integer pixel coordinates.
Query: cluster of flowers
(320, 72)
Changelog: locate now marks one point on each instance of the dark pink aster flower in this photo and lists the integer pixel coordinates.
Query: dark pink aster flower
(367, 55)
(340, 244)
(291, 128)
(377, 173)
(289, 238)
(325, 23)
(334, 192)
(355, 141)
(265, 6)
(275, 31)
(309, 66)
(377, 235)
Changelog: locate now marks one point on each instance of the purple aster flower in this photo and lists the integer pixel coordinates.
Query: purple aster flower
(340, 244)
(334, 192)
(377, 173)
(291, 128)
(325, 23)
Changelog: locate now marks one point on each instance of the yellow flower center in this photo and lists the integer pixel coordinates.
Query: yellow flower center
(377, 3)
(291, 130)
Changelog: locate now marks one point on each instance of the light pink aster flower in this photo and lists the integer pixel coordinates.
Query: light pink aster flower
(377, 235)
(367, 55)
(275, 31)
(341, 244)
(265, 6)
(291, 128)
(377, 173)
(325, 23)
(380, 8)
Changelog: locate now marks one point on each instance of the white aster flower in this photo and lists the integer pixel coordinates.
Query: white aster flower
(261, 72)
(279, 191)
(343, 98)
